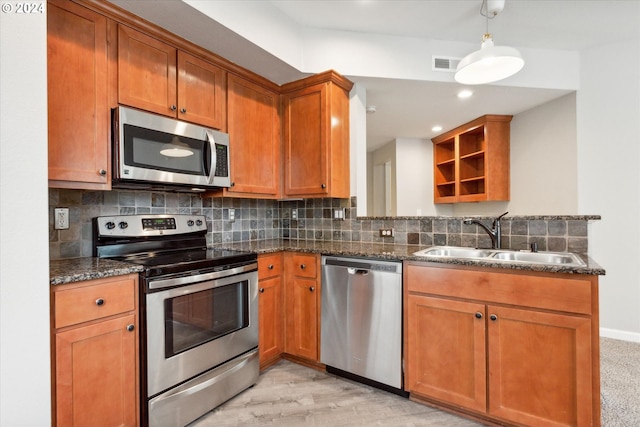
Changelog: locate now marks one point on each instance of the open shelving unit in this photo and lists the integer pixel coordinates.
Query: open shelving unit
(471, 162)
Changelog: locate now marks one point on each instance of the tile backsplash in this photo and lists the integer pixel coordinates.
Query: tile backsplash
(308, 219)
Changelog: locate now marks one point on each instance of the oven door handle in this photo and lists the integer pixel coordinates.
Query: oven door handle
(186, 280)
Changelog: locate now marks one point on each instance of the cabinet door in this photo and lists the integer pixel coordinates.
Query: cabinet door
(146, 72)
(301, 329)
(96, 371)
(271, 320)
(446, 357)
(78, 101)
(201, 92)
(306, 130)
(539, 367)
(254, 132)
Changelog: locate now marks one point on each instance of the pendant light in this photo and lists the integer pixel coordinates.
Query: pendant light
(491, 63)
(176, 148)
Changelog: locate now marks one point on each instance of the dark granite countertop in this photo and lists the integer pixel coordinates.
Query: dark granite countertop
(401, 252)
(78, 269)
(71, 270)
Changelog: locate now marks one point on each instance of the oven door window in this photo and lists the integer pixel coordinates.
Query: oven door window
(196, 318)
(151, 149)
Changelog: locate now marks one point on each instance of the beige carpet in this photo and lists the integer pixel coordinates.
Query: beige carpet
(620, 383)
(288, 394)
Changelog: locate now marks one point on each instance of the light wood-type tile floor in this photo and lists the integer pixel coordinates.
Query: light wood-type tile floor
(288, 394)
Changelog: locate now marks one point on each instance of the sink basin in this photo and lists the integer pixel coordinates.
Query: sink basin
(548, 258)
(453, 252)
(554, 258)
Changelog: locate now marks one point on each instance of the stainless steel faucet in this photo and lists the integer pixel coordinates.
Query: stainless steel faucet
(495, 232)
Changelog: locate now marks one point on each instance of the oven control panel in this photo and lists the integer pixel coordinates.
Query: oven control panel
(149, 225)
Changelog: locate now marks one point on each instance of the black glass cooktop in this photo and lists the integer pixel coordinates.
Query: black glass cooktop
(161, 263)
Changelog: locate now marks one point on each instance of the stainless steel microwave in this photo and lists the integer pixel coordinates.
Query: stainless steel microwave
(156, 152)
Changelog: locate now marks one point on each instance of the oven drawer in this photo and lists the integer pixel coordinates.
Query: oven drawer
(99, 298)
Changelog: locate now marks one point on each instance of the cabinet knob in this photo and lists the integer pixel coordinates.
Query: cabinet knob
(99, 301)
(233, 184)
(493, 317)
(478, 315)
(173, 108)
(102, 172)
(323, 186)
(270, 267)
(261, 290)
(130, 328)
(303, 266)
(183, 110)
(312, 288)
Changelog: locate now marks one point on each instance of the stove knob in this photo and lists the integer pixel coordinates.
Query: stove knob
(199, 222)
(122, 225)
(110, 225)
(190, 223)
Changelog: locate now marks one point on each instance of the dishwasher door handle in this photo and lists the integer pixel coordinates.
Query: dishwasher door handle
(357, 271)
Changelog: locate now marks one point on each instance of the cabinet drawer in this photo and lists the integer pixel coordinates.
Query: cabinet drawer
(269, 265)
(101, 299)
(569, 293)
(303, 265)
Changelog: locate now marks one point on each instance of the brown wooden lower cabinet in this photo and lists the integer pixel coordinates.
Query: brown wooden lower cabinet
(95, 349)
(270, 313)
(516, 348)
(302, 305)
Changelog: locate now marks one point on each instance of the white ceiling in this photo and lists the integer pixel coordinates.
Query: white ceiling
(409, 108)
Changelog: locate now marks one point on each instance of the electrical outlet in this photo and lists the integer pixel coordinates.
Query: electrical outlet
(232, 215)
(61, 218)
(294, 213)
(386, 232)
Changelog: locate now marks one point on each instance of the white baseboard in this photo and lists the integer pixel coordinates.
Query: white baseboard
(620, 335)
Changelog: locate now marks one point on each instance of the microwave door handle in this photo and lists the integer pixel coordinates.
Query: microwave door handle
(212, 147)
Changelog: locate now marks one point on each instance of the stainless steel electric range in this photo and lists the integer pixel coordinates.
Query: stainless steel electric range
(198, 312)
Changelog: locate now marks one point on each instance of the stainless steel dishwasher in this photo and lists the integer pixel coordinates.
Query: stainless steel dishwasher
(361, 321)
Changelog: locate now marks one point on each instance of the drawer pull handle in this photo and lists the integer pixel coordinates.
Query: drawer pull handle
(130, 328)
(261, 290)
(478, 315)
(493, 317)
(303, 266)
(270, 267)
(312, 288)
(99, 301)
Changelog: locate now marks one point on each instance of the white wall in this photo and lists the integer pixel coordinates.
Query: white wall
(358, 146)
(386, 153)
(25, 391)
(414, 177)
(608, 124)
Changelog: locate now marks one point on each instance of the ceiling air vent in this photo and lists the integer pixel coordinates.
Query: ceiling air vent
(444, 63)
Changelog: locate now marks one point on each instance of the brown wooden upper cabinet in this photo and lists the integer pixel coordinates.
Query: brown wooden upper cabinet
(254, 132)
(78, 97)
(471, 162)
(159, 78)
(316, 136)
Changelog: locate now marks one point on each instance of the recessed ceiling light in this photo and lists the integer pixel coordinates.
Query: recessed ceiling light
(436, 128)
(465, 93)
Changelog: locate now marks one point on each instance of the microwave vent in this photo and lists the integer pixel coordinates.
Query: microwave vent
(444, 63)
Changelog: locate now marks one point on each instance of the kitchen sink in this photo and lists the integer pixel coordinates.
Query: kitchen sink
(454, 252)
(549, 258)
(555, 258)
